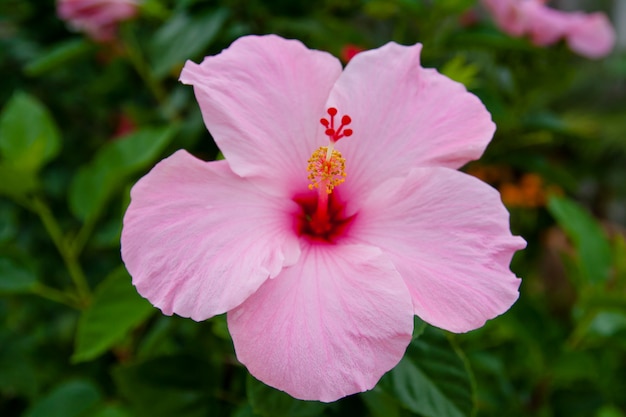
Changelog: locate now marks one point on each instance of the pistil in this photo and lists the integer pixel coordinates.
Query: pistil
(320, 221)
(327, 169)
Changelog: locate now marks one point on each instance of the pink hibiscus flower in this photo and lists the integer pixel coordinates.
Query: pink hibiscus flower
(589, 35)
(97, 18)
(322, 240)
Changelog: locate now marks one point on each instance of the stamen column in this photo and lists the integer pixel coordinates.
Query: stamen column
(327, 168)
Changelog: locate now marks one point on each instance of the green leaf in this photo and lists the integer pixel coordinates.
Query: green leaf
(59, 55)
(379, 9)
(619, 258)
(113, 165)
(111, 410)
(28, 135)
(381, 404)
(461, 71)
(432, 379)
(608, 323)
(116, 309)
(16, 181)
(419, 326)
(184, 37)
(168, 386)
(18, 375)
(244, 410)
(9, 223)
(610, 411)
(15, 278)
(571, 366)
(269, 402)
(454, 6)
(70, 399)
(594, 250)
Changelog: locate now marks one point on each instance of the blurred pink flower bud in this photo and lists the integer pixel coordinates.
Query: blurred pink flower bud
(125, 126)
(97, 18)
(589, 35)
(469, 18)
(348, 51)
(592, 36)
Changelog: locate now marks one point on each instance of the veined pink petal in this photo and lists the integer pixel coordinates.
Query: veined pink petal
(448, 235)
(198, 239)
(405, 116)
(262, 100)
(327, 327)
(591, 36)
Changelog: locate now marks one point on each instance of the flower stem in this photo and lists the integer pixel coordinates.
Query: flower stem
(69, 257)
(141, 66)
(81, 238)
(55, 295)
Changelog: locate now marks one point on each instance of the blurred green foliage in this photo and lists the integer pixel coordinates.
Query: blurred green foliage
(76, 340)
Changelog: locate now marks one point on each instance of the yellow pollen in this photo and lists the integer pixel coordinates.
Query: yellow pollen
(326, 168)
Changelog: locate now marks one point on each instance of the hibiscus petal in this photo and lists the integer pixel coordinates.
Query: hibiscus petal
(198, 239)
(327, 327)
(448, 235)
(405, 116)
(262, 100)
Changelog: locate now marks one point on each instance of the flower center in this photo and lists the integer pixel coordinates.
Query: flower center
(327, 170)
(321, 229)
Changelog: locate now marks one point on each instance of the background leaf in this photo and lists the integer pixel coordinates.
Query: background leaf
(18, 375)
(184, 37)
(460, 70)
(168, 386)
(70, 399)
(432, 379)
(15, 278)
(594, 251)
(115, 310)
(113, 165)
(59, 55)
(269, 402)
(28, 135)
(16, 181)
(111, 410)
(381, 404)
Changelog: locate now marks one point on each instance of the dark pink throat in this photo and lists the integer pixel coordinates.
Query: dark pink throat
(328, 227)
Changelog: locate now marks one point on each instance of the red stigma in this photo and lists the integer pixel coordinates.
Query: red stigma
(338, 133)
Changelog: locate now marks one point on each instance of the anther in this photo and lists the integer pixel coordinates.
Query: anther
(324, 171)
